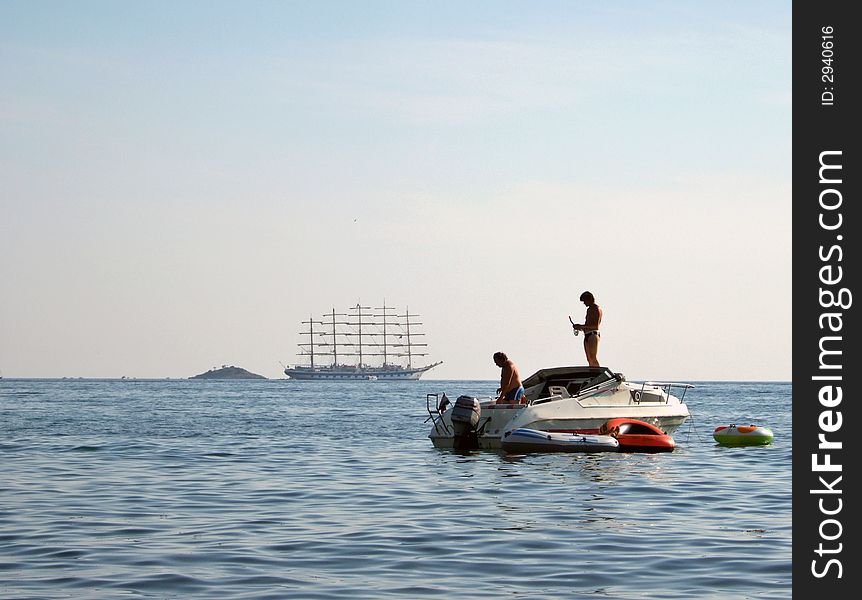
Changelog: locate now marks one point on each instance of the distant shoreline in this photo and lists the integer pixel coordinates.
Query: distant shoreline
(300, 382)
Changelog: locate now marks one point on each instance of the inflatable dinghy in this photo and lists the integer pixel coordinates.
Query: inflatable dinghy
(533, 440)
(638, 436)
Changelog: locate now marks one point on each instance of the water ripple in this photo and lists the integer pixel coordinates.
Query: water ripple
(274, 489)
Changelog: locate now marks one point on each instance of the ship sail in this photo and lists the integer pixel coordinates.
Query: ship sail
(363, 343)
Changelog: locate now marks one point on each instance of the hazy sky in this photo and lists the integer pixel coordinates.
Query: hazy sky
(181, 183)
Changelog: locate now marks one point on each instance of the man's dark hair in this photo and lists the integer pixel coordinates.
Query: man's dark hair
(587, 297)
(500, 356)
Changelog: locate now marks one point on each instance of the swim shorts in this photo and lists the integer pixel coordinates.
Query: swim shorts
(514, 395)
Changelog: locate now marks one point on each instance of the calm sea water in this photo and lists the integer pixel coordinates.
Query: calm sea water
(288, 489)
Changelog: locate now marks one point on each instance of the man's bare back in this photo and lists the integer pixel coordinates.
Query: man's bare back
(510, 378)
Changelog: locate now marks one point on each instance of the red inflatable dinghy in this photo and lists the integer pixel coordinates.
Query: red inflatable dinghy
(638, 436)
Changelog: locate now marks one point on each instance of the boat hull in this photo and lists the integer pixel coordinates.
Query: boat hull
(440, 438)
(569, 417)
(356, 374)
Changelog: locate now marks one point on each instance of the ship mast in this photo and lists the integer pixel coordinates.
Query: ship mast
(334, 324)
(359, 323)
(384, 323)
(407, 323)
(310, 334)
(355, 334)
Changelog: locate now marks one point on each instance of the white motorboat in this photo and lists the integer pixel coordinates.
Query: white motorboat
(560, 400)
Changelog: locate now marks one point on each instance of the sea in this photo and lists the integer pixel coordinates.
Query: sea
(267, 489)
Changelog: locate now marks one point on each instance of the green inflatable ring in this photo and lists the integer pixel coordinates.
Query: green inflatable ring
(743, 435)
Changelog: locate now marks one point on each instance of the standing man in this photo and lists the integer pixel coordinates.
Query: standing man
(511, 390)
(590, 328)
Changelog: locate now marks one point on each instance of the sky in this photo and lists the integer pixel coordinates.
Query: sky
(182, 183)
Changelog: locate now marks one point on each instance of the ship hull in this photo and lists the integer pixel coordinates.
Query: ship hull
(356, 374)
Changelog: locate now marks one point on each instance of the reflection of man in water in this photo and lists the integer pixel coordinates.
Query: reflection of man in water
(590, 328)
(511, 391)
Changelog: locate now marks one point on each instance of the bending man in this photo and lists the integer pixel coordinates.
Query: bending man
(511, 391)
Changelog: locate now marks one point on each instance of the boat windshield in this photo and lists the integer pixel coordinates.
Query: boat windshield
(566, 382)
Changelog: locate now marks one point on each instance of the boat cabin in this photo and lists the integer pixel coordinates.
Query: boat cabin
(566, 381)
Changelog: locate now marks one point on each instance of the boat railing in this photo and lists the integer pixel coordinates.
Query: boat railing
(435, 415)
(666, 386)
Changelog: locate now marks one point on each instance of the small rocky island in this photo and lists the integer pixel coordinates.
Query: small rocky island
(228, 373)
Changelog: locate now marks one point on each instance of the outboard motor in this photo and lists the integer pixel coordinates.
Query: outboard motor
(465, 418)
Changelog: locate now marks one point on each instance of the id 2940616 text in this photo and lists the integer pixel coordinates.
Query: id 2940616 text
(827, 57)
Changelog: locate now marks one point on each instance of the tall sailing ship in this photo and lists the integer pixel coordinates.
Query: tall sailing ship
(363, 343)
